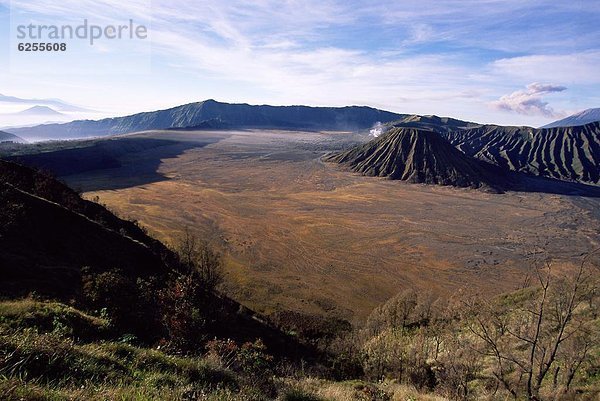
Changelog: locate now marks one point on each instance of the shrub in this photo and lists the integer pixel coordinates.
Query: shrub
(186, 312)
(250, 358)
(315, 330)
(128, 303)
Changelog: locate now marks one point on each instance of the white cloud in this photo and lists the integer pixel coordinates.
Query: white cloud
(529, 101)
(572, 68)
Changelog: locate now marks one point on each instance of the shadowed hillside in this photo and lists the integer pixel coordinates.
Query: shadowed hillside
(59, 246)
(138, 157)
(50, 233)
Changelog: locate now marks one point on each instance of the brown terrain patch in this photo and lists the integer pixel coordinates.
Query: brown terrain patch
(305, 235)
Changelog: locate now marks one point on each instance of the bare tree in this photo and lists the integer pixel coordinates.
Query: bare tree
(527, 337)
(200, 260)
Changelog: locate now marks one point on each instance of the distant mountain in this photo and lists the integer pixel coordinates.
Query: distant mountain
(6, 137)
(563, 153)
(39, 111)
(581, 118)
(210, 112)
(434, 123)
(56, 103)
(419, 156)
(568, 153)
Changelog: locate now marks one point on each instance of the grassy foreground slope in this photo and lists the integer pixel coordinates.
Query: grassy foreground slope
(413, 347)
(59, 362)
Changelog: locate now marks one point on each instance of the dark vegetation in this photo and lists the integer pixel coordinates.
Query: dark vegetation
(540, 342)
(94, 308)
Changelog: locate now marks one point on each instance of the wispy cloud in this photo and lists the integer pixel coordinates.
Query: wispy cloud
(452, 57)
(568, 67)
(530, 101)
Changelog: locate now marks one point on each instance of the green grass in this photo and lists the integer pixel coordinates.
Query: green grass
(48, 317)
(55, 367)
(42, 358)
(40, 364)
(518, 298)
(299, 395)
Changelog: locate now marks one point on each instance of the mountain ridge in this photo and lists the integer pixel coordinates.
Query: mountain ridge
(563, 153)
(582, 118)
(39, 111)
(419, 155)
(8, 137)
(236, 115)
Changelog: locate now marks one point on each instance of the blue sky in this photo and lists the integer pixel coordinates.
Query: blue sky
(505, 62)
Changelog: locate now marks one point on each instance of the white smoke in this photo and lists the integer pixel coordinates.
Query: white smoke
(376, 130)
